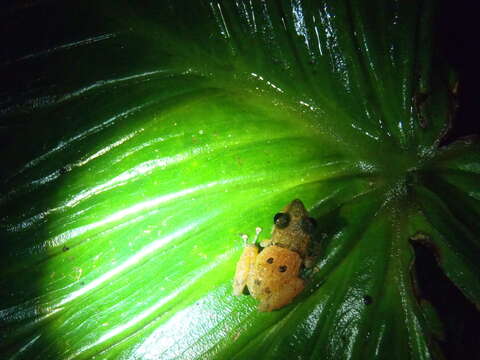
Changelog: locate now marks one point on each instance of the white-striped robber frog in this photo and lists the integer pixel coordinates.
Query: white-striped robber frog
(271, 272)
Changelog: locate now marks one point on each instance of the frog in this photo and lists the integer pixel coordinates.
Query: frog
(270, 272)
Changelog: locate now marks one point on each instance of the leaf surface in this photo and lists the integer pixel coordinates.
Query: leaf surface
(143, 139)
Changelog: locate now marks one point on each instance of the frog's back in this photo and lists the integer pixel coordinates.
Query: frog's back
(275, 281)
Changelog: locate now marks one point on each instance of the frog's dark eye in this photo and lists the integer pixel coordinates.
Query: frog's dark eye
(308, 225)
(281, 220)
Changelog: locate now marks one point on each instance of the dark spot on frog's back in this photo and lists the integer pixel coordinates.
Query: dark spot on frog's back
(257, 282)
(282, 268)
(267, 290)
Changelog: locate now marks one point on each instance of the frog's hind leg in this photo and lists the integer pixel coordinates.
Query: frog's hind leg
(244, 267)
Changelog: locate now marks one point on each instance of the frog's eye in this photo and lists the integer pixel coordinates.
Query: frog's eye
(281, 220)
(308, 225)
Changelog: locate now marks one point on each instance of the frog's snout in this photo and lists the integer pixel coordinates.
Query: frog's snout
(296, 208)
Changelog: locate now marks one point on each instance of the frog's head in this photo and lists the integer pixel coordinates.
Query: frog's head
(293, 228)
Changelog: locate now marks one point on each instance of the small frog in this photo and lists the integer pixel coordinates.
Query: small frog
(271, 274)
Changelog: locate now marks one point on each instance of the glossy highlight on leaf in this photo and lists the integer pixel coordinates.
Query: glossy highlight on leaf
(140, 139)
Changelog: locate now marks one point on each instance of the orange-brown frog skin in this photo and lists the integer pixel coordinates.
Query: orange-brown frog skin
(272, 274)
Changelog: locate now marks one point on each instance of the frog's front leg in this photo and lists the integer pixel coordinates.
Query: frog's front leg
(311, 259)
(309, 262)
(265, 243)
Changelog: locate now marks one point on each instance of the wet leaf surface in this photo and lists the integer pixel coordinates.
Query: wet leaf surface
(140, 140)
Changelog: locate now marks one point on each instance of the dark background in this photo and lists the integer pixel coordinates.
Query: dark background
(458, 38)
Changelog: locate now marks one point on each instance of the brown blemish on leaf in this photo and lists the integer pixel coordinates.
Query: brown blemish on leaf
(422, 239)
(425, 240)
(419, 101)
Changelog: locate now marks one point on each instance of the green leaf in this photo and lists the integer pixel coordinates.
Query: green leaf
(140, 140)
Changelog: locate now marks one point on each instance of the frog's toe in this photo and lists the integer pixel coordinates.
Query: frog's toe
(309, 262)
